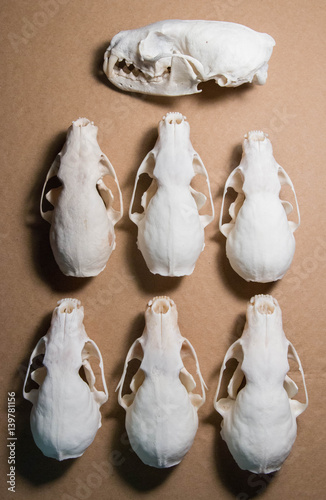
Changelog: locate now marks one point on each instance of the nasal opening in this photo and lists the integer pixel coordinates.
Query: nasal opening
(266, 308)
(160, 305)
(174, 118)
(67, 306)
(256, 135)
(264, 304)
(82, 122)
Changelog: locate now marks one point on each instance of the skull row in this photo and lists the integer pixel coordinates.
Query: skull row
(260, 243)
(259, 417)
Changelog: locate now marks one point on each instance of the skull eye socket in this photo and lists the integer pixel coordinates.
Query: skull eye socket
(51, 193)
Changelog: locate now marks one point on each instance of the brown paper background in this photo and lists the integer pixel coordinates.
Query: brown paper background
(51, 57)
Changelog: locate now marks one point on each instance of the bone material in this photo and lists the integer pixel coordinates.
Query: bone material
(172, 57)
(259, 420)
(260, 243)
(66, 410)
(82, 221)
(161, 411)
(170, 229)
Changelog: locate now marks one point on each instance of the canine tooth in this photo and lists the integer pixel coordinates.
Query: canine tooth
(108, 68)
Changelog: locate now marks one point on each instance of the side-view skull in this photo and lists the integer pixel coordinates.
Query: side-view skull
(259, 419)
(66, 409)
(83, 219)
(170, 229)
(161, 411)
(260, 243)
(172, 57)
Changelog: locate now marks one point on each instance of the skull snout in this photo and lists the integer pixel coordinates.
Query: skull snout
(256, 135)
(257, 140)
(160, 305)
(174, 119)
(264, 304)
(67, 306)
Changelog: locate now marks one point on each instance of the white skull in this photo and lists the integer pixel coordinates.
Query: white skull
(170, 230)
(172, 57)
(82, 221)
(66, 410)
(260, 243)
(161, 411)
(259, 420)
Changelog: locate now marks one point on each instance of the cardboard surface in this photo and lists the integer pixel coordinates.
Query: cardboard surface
(51, 56)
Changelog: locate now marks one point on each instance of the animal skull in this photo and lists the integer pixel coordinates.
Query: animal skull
(161, 411)
(260, 243)
(82, 222)
(259, 421)
(170, 230)
(66, 410)
(172, 57)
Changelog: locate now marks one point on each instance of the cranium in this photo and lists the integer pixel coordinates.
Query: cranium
(161, 411)
(66, 410)
(259, 421)
(260, 243)
(170, 230)
(172, 57)
(82, 222)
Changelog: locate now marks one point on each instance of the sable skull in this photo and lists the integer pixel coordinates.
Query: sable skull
(259, 421)
(66, 410)
(260, 244)
(161, 411)
(82, 222)
(170, 230)
(172, 57)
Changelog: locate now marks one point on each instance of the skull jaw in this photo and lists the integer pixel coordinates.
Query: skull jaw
(162, 86)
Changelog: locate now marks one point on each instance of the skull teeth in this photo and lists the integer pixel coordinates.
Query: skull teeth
(127, 69)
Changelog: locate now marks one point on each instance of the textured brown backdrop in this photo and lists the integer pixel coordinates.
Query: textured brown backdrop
(51, 56)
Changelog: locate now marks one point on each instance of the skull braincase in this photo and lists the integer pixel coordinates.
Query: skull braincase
(172, 57)
(161, 411)
(66, 410)
(82, 221)
(170, 230)
(259, 420)
(260, 243)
